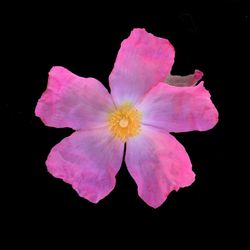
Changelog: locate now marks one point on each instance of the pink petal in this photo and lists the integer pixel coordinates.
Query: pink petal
(143, 61)
(73, 101)
(159, 164)
(185, 81)
(178, 109)
(89, 161)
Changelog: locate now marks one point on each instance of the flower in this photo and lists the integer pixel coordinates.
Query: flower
(146, 104)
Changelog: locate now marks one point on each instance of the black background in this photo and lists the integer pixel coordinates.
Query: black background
(85, 39)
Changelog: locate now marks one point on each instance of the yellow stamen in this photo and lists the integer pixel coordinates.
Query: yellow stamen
(125, 121)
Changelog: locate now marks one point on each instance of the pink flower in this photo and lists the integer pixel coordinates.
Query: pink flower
(146, 104)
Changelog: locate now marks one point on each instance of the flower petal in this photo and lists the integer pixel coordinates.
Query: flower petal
(73, 101)
(178, 109)
(143, 61)
(89, 161)
(159, 164)
(184, 81)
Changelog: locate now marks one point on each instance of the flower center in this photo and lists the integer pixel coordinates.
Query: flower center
(124, 121)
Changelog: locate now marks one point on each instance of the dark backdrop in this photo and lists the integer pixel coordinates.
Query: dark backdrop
(85, 39)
